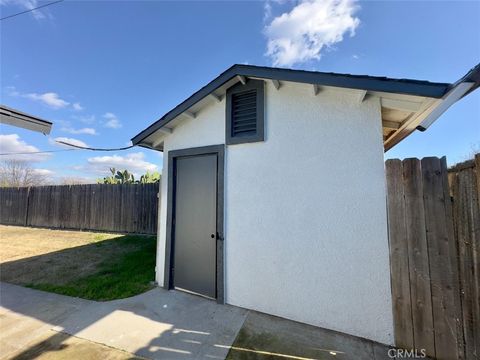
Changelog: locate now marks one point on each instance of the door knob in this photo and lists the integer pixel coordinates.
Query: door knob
(212, 236)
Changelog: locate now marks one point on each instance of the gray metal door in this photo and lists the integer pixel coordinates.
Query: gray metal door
(195, 224)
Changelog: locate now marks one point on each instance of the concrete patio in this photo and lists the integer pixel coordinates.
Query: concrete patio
(159, 324)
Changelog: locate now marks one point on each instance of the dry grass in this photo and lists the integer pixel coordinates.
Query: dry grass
(21, 242)
(84, 264)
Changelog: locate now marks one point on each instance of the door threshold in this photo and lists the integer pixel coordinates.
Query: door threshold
(194, 293)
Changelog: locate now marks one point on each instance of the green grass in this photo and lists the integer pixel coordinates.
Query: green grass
(118, 277)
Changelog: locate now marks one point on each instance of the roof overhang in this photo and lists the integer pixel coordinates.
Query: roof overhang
(424, 118)
(406, 104)
(23, 120)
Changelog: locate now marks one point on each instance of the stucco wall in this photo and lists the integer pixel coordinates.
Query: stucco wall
(306, 231)
(305, 212)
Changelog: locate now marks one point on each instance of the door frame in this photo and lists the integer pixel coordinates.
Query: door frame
(219, 151)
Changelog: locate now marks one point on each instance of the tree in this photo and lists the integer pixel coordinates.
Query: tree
(125, 177)
(20, 173)
(149, 177)
(118, 177)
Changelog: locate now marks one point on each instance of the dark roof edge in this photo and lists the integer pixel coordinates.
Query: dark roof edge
(363, 82)
(472, 76)
(25, 114)
(194, 98)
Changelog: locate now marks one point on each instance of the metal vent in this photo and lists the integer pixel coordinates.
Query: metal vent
(244, 113)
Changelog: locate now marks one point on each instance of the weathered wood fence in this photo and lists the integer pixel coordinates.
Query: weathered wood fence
(129, 208)
(434, 232)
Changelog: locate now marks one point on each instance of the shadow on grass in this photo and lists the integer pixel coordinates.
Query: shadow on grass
(103, 270)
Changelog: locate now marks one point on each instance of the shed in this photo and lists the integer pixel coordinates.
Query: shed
(273, 191)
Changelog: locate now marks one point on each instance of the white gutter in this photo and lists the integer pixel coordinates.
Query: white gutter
(19, 119)
(434, 108)
(442, 105)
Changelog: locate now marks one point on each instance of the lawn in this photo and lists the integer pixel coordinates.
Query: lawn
(82, 264)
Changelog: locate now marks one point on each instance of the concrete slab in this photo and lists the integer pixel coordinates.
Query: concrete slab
(265, 337)
(58, 346)
(158, 324)
(26, 314)
(161, 324)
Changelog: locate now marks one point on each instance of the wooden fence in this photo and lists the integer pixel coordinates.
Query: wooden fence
(129, 208)
(434, 232)
(465, 189)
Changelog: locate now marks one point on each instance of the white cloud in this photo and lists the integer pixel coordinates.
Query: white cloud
(50, 98)
(43, 172)
(76, 106)
(313, 25)
(86, 119)
(12, 144)
(11, 91)
(28, 5)
(267, 10)
(355, 56)
(86, 130)
(67, 140)
(134, 162)
(111, 121)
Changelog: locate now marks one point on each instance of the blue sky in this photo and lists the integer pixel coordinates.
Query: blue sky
(104, 70)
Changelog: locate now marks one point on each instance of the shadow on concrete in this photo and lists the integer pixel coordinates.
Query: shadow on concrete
(157, 324)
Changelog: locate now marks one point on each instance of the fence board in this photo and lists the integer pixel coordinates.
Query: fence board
(467, 231)
(454, 261)
(120, 208)
(418, 257)
(440, 265)
(402, 308)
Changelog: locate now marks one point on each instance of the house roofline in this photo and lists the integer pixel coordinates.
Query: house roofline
(363, 82)
(423, 120)
(21, 119)
(473, 76)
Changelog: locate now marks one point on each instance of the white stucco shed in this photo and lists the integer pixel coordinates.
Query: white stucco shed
(273, 191)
